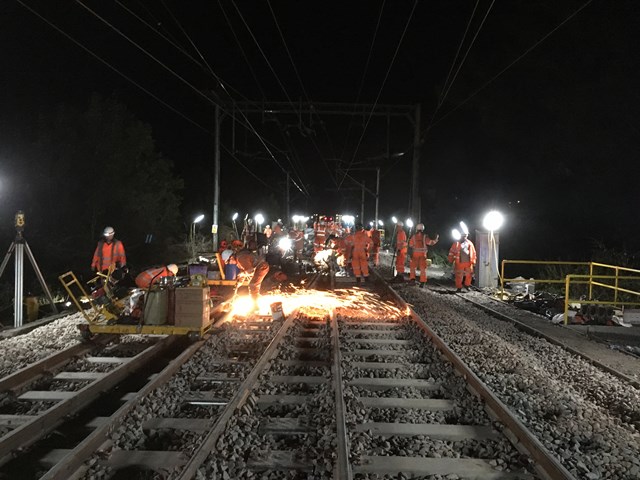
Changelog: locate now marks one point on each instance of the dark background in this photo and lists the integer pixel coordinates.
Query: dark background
(551, 142)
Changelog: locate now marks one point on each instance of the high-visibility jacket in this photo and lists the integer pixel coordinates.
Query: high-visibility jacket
(107, 254)
(254, 265)
(358, 243)
(420, 242)
(375, 237)
(152, 276)
(465, 247)
(401, 240)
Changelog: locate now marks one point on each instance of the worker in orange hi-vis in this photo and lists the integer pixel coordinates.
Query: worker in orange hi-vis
(463, 256)
(109, 251)
(374, 234)
(358, 246)
(153, 275)
(419, 243)
(401, 251)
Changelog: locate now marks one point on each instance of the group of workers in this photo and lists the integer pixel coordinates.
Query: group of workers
(462, 255)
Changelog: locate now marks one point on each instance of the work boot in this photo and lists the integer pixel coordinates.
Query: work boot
(421, 284)
(458, 290)
(357, 280)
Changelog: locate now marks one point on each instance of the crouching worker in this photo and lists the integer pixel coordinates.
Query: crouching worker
(154, 275)
(254, 266)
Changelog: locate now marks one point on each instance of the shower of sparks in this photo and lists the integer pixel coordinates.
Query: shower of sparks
(346, 302)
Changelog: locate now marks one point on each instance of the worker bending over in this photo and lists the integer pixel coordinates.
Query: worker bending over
(154, 275)
(251, 264)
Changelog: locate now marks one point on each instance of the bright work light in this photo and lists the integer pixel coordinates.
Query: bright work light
(493, 221)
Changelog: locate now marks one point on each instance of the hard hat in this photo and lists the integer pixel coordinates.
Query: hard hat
(400, 224)
(359, 226)
(420, 226)
(223, 244)
(173, 268)
(108, 231)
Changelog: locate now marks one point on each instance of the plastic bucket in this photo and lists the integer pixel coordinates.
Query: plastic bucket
(156, 307)
(230, 272)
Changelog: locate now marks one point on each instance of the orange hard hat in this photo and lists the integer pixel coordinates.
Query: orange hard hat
(237, 244)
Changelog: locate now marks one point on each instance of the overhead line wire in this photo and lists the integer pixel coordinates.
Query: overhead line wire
(129, 79)
(106, 22)
(526, 52)
(255, 40)
(380, 91)
(364, 74)
(304, 91)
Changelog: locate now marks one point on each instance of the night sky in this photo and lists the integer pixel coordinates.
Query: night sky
(552, 141)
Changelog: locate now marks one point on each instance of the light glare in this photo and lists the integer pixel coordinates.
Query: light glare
(493, 220)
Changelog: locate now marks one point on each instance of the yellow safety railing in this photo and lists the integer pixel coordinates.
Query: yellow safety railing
(594, 279)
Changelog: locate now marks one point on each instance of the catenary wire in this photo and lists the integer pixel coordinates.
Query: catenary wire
(492, 79)
(261, 50)
(364, 75)
(132, 81)
(527, 51)
(304, 91)
(406, 27)
(250, 127)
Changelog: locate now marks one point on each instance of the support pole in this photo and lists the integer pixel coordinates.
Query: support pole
(19, 281)
(288, 200)
(362, 204)
(377, 196)
(216, 180)
(415, 179)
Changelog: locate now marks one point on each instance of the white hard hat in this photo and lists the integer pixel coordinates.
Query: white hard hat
(420, 226)
(400, 224)
(108, 231)
(173, 268)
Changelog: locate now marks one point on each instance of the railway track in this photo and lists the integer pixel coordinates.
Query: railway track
(347, 386)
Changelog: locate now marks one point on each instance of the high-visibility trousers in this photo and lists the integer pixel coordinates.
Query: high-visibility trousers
(401, 258)
(375, 255)
(359, 263)
(463, 271)
(418, 260)
(259, 273)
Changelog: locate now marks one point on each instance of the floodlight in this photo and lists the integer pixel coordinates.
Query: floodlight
(493, 221)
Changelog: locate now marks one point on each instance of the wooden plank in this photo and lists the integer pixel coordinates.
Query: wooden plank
(311, 379)
(284, 426)
(304, 363)
(378, 341)
(149, 459)
(365, 352)
(79, 376)
(46, 396)
(12, 421)
(280, 460)
(468, 468)
(393, 383)
(451, 433)
(197, 425)
(204, 398)
(108, 359)
(265, 401)
(431, 404)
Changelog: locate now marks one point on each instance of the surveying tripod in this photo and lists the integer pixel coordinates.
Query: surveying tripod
(19, 246)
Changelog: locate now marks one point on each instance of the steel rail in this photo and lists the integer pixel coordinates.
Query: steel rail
(529, 329)
(237, 401)
(342, 469)
(33, 430)
(546, 463)
(54, 361)
(74, 460)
